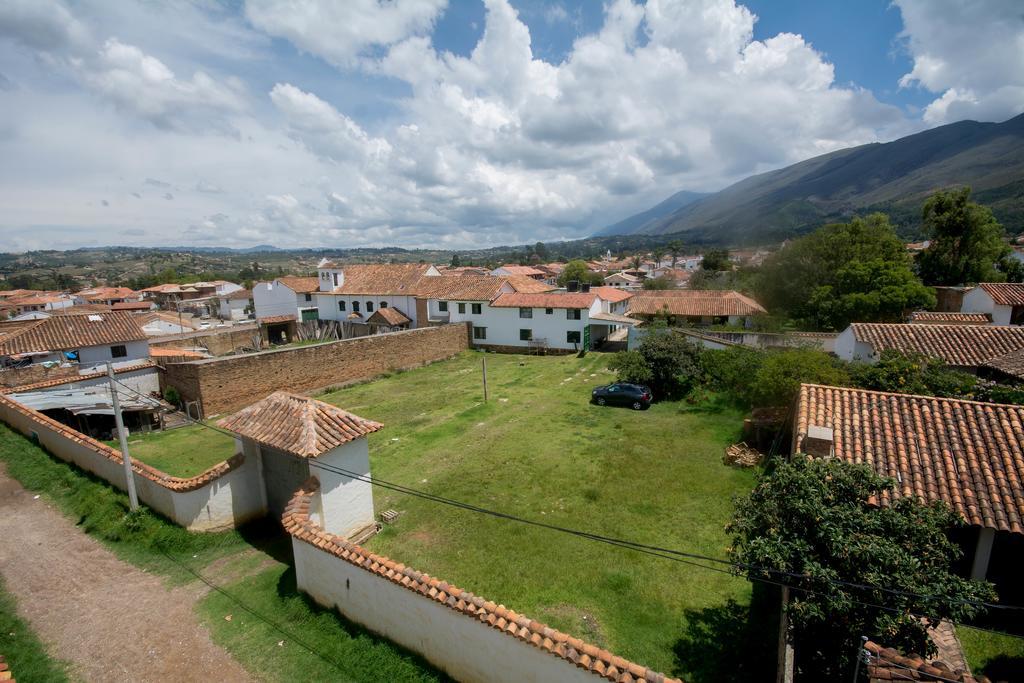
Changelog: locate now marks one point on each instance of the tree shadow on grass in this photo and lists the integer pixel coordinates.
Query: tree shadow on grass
(1004, 668)
(731, 642)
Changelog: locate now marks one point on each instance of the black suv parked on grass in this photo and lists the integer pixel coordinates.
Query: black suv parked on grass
(635, 396)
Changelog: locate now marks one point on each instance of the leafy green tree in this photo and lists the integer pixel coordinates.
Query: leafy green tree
(777, 381)
(630, 366)
(541, 250)
(967, 243)
(577, 270)
(660, 282)
(673, 362)
(811, 519)
(913, 373)
(675, 248)
(456, 260)
(843, 272)
(715, 260)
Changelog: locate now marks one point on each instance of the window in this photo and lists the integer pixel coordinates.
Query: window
(369, 307)
(476, 309)
(462, 308)
(309, 297)
(118, 351)
(572, 314)
(382, 304)
(525, 335)
(341, 305)
(549, 311)
(355, 306)
(442, 306)
(572, 337)
(479, 333)
(525, 312)
(335, 279)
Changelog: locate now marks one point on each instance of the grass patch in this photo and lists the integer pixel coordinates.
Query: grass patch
(999, 657)
(25, 654)
(180, 452)
(345, 651)
(540, 450)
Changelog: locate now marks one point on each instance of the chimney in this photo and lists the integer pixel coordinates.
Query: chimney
(572, 286)
(818, 442)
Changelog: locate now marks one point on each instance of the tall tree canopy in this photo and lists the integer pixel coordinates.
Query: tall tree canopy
(841, 273)
(577, 270)
(812, 520)
(967, 243)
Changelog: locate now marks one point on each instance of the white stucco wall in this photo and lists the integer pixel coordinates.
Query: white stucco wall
(275, 298)
(346, 502)
(977, 300)
(232, 309)
(503, 324)
(847, 347)
(327, 304)
(467, 649)
(97, 356)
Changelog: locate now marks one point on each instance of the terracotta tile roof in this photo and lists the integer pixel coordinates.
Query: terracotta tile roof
(550, 300)
(5, 671)
(167, 288)
(689, 302)
(132, 306)
(1005, 293)
(941, 318)
(104, 293)
(389, 316)
(513, 269)
(297, 424)
(81, 308)
(623, 276)
(166, 316)
(300, 285)
(57, 381)
(239, 294)
(300, 525)
(465, 287)
(67, 332)
(383, 279)
(1011, 364)
(160, 478)
(172, 352)
(5, 294)
(968, 454)
(612, 294)
(36, 300)
(887, 664)
(526, 285)
(272, 319)
(959, 345)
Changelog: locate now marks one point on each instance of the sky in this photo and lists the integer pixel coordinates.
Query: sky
(453, 123)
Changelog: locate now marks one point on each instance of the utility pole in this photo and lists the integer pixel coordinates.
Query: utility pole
(126, 459)
(484, 362)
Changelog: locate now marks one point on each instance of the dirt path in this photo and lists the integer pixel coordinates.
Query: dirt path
(112, 621)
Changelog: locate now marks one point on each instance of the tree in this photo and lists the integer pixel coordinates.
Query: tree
(913, 373)
(541, 250)
(635, 261)
(675, 248)
(715, 260)
(661, 282)
(808, 523)
(630, 366)
(967, 243)
(672, 361)
(778, 379)
(456, 260)
(841, 273)
(578, 271)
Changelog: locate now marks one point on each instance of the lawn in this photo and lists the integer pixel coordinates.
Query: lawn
(539, 450)
(180, 452)
(1000, 657)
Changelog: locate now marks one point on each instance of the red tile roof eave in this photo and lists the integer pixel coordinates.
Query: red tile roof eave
(299, 524)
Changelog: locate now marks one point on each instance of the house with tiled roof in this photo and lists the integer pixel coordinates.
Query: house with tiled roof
(967, 454)
(87, 340)
(286, 298)
(235, 305)
(527, 271)
(1003, 301)
(962, 346)
(43, 302)
(949, 318)
(623, 280)
(696, 307)
(158, 323)
(354, 291)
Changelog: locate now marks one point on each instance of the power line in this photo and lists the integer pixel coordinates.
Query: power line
(665, 553)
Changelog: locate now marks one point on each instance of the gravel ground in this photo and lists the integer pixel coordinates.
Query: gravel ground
(111, 620)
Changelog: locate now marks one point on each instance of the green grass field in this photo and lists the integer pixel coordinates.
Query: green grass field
(539, 450)
(181, 452)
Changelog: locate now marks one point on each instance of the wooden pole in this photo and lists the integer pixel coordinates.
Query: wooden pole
(484, 364)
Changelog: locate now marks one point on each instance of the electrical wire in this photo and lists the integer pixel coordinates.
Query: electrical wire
(665, 553)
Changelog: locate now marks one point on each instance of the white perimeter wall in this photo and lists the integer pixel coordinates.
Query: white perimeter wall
(467, 649)
(227, 501)
(327, 304)
(977, 300)
(346, 502)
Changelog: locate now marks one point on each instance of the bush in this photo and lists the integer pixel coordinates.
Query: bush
(913, 373)
(777, 381)
(730, 370)
(665, 361)
(172, 396)
(630, 366)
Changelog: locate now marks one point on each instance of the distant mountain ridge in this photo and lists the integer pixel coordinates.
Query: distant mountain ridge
(895, 177)
(645, 219)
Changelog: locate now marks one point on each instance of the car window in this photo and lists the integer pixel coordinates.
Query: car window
(612, 388)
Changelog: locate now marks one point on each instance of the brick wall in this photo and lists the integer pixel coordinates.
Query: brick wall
(227, 384)
(32, 374)
(218, 342)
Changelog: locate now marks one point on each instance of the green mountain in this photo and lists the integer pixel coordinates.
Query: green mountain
(895, 177)
(641, 222)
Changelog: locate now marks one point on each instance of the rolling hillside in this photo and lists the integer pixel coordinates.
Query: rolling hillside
(894, 177)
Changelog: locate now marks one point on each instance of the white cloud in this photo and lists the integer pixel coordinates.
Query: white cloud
(971, 53)
(341, 31)
(44, 25)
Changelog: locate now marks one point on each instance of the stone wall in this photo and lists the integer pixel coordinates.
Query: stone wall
(217, 342)
(227, 384)
(33, 374)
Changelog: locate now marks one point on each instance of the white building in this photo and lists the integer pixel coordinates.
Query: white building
(235, 305)
(88, 340)
(286, 296)
(158, 323)
(623, 281)
(1003, 301)
(354, 291)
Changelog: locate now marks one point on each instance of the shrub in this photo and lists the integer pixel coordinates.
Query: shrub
(777, 381)
(630, 366)
(172, 396)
